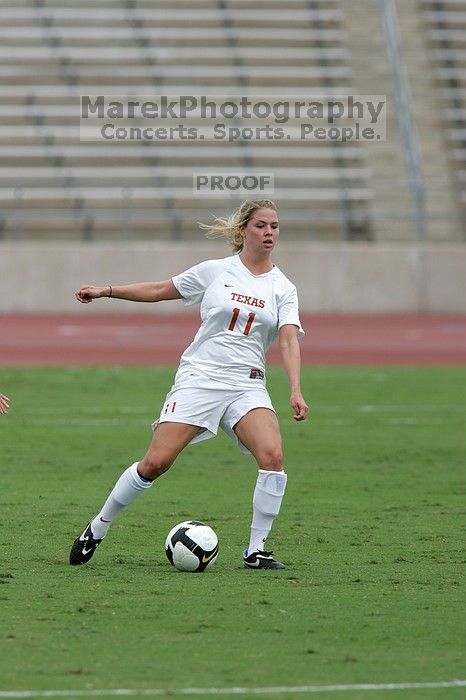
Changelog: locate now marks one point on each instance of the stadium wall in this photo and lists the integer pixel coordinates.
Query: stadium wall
(331, 278)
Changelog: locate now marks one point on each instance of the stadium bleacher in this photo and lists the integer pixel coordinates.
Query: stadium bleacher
(55, 186)
(52, 185)
(445, 25)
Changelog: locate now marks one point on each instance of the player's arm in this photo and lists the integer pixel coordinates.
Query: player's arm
(142, 291)
(4, 403)
(291, 356)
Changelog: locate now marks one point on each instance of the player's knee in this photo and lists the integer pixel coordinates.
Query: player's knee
(154, 465)
(271, 459)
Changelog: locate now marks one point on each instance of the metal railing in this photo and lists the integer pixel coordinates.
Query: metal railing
(410, 138)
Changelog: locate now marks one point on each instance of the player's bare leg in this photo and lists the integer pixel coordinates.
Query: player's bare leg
(259, 431)
(168, 440)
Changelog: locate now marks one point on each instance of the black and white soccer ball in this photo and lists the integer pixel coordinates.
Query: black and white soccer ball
(191, 546)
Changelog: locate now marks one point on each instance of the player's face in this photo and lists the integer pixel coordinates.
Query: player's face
(261, 232)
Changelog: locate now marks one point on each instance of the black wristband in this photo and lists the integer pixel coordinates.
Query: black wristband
(110, 288)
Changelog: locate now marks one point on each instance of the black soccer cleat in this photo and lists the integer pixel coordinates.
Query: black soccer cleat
(261, 560)
(83, 547)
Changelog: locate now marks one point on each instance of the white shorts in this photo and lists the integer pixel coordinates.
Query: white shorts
(212, 407)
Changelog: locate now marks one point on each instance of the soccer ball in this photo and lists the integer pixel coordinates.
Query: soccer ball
(191, 546)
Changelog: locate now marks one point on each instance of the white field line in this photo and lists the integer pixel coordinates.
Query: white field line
(275, 690)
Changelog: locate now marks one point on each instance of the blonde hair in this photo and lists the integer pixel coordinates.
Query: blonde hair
(229, 227)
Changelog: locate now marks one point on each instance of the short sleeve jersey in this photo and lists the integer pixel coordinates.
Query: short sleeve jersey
(241, 315)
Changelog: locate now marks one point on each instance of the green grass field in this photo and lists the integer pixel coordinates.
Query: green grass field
(372, 530)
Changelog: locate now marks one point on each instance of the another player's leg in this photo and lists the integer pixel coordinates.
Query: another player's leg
(259, 431)
(167, 442)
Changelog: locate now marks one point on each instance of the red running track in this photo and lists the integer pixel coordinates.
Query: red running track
(130, 339)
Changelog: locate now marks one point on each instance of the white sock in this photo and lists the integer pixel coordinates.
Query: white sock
(129, 486)
(268, 495)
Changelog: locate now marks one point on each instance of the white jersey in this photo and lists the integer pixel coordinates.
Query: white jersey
(241, 315)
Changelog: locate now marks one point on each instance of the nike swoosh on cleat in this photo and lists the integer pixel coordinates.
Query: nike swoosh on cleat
(86, 551)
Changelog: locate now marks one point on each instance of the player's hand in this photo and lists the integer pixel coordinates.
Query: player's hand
(4, 404)
(299, 406)
(87, 293)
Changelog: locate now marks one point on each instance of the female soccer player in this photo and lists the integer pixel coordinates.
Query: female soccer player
(4, 404)
(245, 301)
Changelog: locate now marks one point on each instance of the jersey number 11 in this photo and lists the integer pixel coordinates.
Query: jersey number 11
(234, 318)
